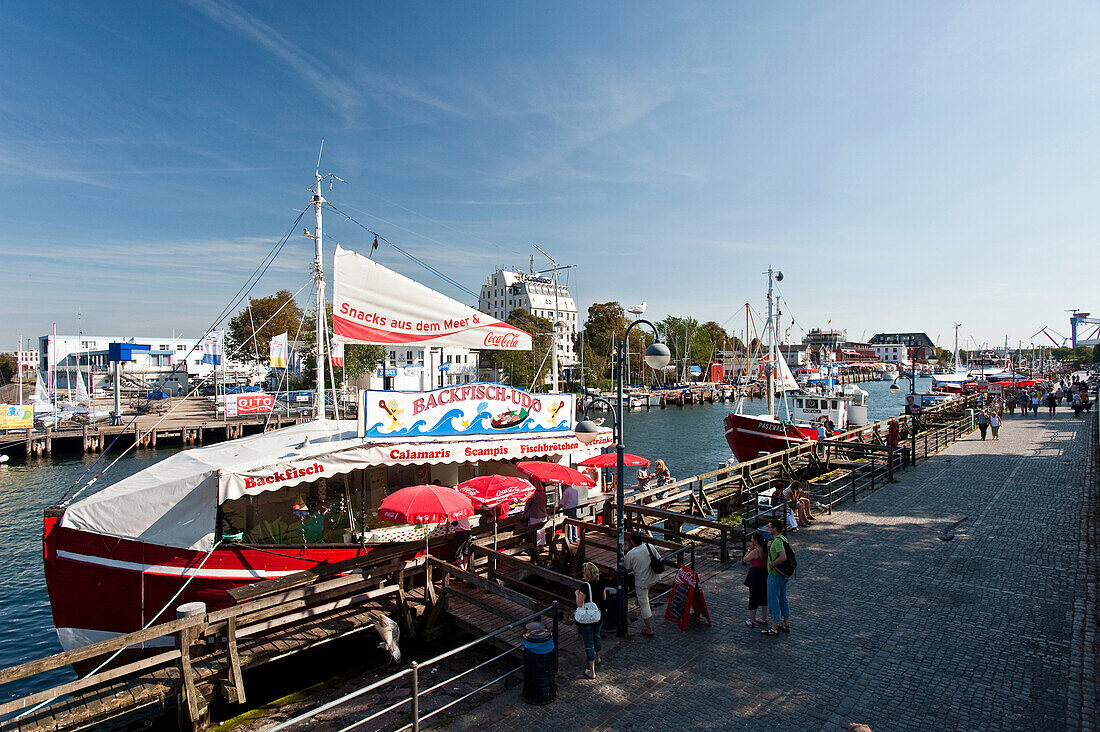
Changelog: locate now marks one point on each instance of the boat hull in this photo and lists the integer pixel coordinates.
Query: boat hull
(101, 587)
(749, 436)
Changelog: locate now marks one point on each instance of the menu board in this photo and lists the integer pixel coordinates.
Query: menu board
(686, 599)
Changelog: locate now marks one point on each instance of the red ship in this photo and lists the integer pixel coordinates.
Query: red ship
(752, 436)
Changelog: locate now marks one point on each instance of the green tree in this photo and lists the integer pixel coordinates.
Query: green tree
(1096, 353)
(9, 367)
(361, 359)
(689, 343)
(603, 330)
(265, 316)
(944, 355)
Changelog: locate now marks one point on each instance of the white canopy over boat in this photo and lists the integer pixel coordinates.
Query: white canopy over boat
(174, 502)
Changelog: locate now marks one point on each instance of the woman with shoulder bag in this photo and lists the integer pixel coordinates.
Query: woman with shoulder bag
(588, 616)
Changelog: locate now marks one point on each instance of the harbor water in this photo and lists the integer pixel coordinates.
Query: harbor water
(690, 440)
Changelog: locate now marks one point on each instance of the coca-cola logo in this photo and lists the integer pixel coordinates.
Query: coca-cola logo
(501, 340)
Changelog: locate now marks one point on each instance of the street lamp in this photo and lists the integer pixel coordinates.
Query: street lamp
(657, 357)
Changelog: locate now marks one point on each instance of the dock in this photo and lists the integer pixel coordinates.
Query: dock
(192, 421)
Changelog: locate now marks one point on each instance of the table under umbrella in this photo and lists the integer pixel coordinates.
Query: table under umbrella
(426, 504)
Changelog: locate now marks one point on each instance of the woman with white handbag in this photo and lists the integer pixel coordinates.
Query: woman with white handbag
(588, 616)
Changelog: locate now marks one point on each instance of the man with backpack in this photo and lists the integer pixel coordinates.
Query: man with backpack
(781, 565)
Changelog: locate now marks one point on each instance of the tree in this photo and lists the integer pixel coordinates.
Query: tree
(603, 330)
(944, 355)
(1096, 353)
(265, 316)
(9, 367)
(361, 359)
(689, 343)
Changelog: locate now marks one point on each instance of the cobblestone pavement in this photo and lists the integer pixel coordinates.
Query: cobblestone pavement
(891, 626)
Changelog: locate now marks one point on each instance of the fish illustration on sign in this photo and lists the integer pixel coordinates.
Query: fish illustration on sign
(392, 410)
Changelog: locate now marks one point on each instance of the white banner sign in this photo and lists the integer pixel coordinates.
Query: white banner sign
(250, 403)
(372, 304)
(435, 452)
(469, 409)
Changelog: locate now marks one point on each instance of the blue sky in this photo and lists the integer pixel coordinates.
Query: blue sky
(905, 164)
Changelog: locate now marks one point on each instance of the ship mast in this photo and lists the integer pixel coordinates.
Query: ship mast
(319, 284)
(772, 333)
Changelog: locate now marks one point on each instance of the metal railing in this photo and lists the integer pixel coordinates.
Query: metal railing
(413, 672)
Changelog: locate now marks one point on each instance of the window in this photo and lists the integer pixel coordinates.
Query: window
(409, 356)
(811, 404)
(181, 347)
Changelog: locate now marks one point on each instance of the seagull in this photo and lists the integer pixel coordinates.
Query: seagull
(637, 309)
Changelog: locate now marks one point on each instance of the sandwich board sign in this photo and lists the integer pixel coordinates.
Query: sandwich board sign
(686, 599)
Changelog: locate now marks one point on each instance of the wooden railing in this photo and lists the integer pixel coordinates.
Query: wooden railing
(216, 646)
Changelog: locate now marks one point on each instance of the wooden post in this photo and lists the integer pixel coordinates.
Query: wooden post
(190, 703)
(236, 689)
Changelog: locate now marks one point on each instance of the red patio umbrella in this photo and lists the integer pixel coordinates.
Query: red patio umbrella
(554, 473)
(495, 490)
(607, 460)
(426, 504)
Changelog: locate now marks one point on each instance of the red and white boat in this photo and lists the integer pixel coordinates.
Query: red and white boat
(209, 519)
(750, 436)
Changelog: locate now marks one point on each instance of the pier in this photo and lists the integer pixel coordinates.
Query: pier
(942, 569)
(192, 422)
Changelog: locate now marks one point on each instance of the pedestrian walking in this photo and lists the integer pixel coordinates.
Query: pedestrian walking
(590, 623)
(639, 561)
(1035, 402)
(982, 420)
(995, 424)
(1052, 402)
(778, 554)
(757, 579)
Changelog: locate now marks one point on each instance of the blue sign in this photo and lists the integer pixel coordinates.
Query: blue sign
(383, 373)
(445, 366)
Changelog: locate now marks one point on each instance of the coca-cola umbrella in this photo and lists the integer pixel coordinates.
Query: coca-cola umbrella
(607, 460)
(426, 504)
(493, 491)
(554, 473)
(496, 490)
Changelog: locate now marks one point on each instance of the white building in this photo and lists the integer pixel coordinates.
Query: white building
(506, 290)
(420, 368)
(891, 352)
(170, 362)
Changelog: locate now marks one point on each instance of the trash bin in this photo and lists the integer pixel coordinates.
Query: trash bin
(540, 663)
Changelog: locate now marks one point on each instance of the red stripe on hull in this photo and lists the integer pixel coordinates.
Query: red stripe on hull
(88, 595)
(749, 436)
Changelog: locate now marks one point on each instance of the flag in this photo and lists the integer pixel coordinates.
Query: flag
(213, 348)
(337, 356)
(278, 351)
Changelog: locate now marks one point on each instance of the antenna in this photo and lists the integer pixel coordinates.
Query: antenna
(319, 151)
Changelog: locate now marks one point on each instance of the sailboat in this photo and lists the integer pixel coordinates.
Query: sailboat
(84, 411)
(750, 436)
(205, 520)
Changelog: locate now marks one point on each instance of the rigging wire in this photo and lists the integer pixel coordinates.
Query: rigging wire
(66, 499)
(245, 289)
